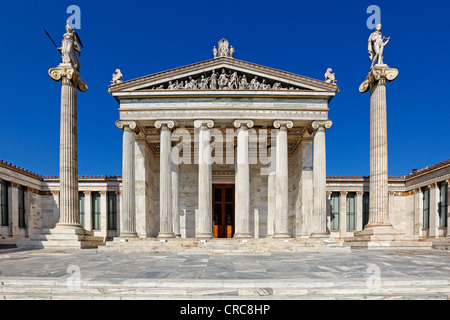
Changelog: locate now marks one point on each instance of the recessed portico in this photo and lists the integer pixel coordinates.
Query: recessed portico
(257, 138)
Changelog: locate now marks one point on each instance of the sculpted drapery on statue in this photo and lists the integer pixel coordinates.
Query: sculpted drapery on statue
(71, 46)
(376, 45)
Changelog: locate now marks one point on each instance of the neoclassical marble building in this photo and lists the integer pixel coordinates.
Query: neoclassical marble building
(222, 149)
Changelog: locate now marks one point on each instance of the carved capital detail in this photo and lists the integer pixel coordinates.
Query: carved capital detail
(248, 123)
(283, 123)
(169, 123)
(67, 72)
(378, 74)
(327, 124)
(121, 124)
(204, 124)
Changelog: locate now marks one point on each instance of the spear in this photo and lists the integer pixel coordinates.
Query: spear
(51, 39)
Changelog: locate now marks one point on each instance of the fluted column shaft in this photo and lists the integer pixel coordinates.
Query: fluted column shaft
(68, 165)
(242, 180)
(165, 182)
(128, 212)
(319, 219)
(204, 223)
(282, 191)
(378, 203)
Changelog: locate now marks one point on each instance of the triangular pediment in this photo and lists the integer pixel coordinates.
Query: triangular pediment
(223, 74)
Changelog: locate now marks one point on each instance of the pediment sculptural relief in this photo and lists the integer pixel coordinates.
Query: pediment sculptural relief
(224, 79)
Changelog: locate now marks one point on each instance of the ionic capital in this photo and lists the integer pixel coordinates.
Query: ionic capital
(87, 193)
(204, 124)
(343, 193)
(283, 123)
(247, 123)
(160, 123)
(67, 72)
(360, 193)
(120, 124)
(327, 124)
(377, 74)
(433, 185)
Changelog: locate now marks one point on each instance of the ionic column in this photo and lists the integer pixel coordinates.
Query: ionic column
(379, 201)
(175, 202)
(272, 193)
(343, 212)
(434, 210)
(319, 219)
(87, 210)
(128, 212)
(68, 167)
(359, 210)
(242, 185)
(282, 201)
(165, 179)
(306, 186)
(104, 213)
(204, 217)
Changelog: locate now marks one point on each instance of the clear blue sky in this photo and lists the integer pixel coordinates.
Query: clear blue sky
(303, 37)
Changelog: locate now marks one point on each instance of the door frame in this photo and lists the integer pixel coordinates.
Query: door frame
(227, 231)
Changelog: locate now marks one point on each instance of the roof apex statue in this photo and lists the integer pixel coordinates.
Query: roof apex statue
(117, 77)
(224, 49)
(330, 77)
(376, 45)
(71, 46)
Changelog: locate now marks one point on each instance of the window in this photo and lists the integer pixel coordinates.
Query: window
(443, 204)
(351, 211)
(112, 211)
(96, 214)
(426, 207)
(22, 206)
(334, 211)
(4, 221)
(81, 207)
(365, 208)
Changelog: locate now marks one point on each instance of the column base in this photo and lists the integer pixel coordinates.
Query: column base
(128, 235)
(166, 235)
(204, 236)
(282, 236)
(377, 229)
(242, 236)
(319, 235)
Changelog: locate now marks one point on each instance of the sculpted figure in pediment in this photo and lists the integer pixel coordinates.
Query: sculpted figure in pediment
(254, 84)
(234, 81)
(243, 84)
(223, 80)
(214, 80)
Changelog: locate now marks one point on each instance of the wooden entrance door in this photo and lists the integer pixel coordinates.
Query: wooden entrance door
(223, 210)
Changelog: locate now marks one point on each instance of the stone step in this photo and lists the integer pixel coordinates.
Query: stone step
(217, 289)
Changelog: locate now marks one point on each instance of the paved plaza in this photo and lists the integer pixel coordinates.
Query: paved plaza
(359, 274)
